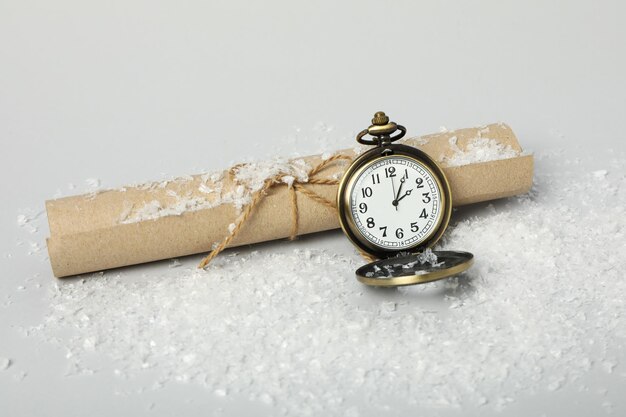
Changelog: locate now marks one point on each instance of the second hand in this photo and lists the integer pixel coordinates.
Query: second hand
(393, 187)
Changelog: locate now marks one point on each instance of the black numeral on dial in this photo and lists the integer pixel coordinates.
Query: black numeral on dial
(370, 222)
(367, 192)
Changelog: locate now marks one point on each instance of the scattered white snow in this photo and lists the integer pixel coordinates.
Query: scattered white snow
(478, 150)
(28, 220)
(249, 177)
(92, 183)
(540, 311)
(5, 363)
(294, 330)
(600, 174)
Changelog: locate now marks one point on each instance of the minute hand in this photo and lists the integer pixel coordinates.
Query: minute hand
(399, 190)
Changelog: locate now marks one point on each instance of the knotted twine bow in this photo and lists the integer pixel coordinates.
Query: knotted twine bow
(294, 188)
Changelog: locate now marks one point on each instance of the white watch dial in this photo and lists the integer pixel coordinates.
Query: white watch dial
(396, 202)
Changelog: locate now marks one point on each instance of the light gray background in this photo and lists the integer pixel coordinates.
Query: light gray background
(126, 90)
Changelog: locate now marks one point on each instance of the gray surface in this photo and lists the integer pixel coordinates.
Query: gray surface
(126, 90)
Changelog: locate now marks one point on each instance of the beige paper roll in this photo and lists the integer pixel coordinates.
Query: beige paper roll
(169, 219)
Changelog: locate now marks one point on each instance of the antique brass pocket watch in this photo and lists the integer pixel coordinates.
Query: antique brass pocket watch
(394, 203)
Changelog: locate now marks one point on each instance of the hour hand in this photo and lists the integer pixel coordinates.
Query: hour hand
(408, 192)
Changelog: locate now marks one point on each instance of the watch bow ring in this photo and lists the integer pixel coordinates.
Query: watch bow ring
(381, 130)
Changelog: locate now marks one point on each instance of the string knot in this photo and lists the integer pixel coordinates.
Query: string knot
(295, 185)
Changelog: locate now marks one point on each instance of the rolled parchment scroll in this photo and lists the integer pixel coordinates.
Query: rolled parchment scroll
(188, 215)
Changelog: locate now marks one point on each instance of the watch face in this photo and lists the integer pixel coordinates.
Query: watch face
(396, 202)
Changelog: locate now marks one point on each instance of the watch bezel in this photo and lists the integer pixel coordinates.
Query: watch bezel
(352, 173)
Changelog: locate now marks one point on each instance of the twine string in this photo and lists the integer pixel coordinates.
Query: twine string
(294, 188)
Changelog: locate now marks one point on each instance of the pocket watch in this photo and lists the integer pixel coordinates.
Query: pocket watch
(394, 204)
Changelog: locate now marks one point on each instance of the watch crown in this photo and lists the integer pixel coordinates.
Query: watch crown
(380, 118)
(381, 130)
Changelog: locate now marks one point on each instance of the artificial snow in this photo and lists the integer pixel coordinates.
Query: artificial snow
(26, 220)
(479, 149)
(600, 174)
(289, 326)
(250, 178)
(4, 363)
(175, 263)
(92, 183)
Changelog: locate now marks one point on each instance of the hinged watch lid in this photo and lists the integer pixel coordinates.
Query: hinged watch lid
(415, 268)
